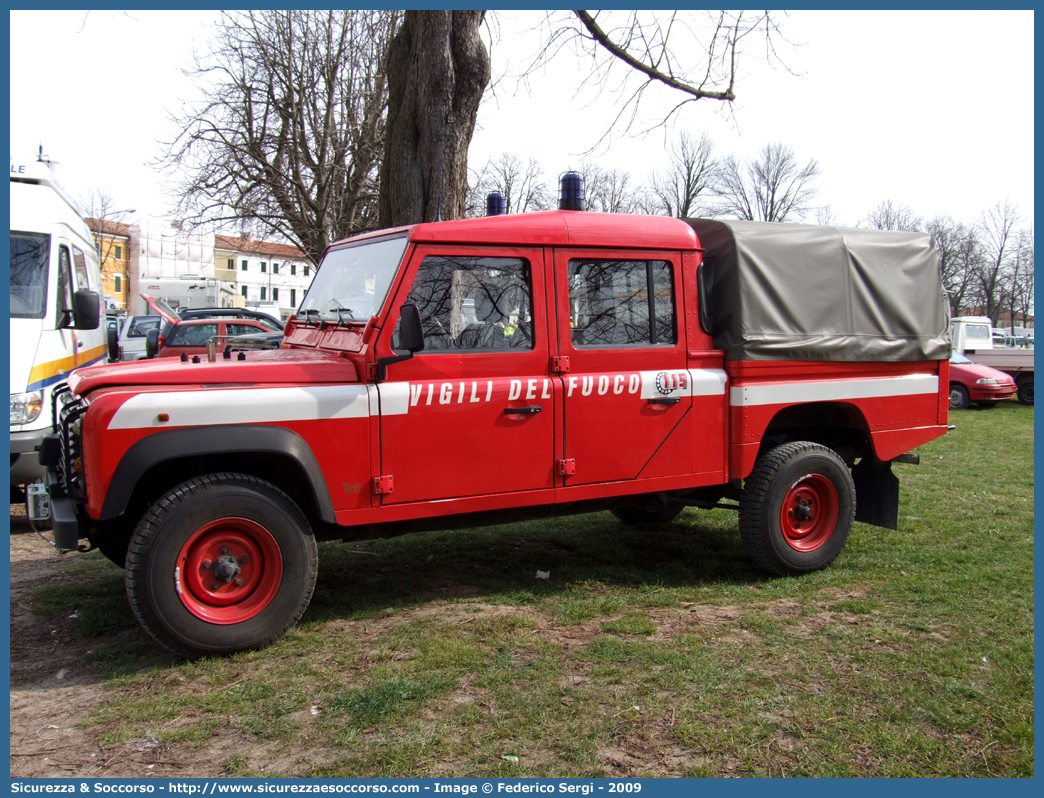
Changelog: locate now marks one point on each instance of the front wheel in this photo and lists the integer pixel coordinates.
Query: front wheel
(221, 563)
(797, 508)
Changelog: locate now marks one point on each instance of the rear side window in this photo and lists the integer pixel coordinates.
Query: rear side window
(619, 303)
(141, 325)
(191, 334)
(244, 329)
(473, 303)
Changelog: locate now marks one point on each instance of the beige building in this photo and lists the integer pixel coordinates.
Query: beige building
(113, 240)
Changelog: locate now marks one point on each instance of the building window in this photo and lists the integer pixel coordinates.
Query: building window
(306, 271)
(116, 282)
(231, 264)
(293, 269)
(293, 296)
(243, 289)
(242, 265)
(264, 267)
(262, 293)
(119, 253)
(275, 294)
(275, 268)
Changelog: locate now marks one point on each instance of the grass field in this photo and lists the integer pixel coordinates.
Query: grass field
(656, 651)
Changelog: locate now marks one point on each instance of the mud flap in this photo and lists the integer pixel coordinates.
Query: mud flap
(877, 493)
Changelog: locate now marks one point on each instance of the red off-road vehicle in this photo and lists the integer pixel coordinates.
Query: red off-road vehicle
(638, 364)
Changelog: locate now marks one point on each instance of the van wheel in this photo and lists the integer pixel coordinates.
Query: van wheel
(959, 399)
(221, 563)
(1025, 392)
(634, 514)
(797, 508)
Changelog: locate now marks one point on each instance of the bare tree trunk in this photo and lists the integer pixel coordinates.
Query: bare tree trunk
(438, 68)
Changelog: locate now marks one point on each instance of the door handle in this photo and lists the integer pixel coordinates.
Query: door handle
(522, 411)
(665, 400)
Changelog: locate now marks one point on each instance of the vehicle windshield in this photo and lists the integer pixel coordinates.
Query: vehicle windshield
(957, 357)
(352, 282)
(30, 253)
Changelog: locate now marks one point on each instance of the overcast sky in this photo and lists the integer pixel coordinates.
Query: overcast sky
(933, 110)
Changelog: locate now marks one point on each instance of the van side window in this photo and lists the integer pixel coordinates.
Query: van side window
(80, 263)
(65, 288)
(473, 303)
(616, 303)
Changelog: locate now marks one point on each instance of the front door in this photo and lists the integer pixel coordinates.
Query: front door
(473, 414)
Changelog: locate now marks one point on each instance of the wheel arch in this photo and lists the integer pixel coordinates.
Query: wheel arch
(276, 454)
(837, 425)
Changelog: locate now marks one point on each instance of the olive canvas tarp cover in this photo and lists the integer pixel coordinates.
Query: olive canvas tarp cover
(810, 292)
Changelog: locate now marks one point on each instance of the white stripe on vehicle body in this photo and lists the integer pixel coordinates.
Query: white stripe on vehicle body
(832, 390)
(242, 406)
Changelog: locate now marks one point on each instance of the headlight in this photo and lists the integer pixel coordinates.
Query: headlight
(986, 381)
(26, 407)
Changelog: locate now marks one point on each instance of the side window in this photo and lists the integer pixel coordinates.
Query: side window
(242, 329)
(473, 303)
(65, 288)
(141, 325)
(616, 303)
(80, 262)
(192, 334)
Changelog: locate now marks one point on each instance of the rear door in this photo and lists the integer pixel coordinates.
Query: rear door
(473, 414)
(622, 357)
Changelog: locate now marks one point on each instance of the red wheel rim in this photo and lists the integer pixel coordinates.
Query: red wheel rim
(228, 571)
(809, 513)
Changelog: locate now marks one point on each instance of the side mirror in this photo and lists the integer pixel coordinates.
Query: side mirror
(411, 334)
(411, 338)
(86, 311)
(152, 343)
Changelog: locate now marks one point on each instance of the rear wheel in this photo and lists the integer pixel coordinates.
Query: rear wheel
(959, 399)
(221, 563)
(1025, 392)
(797, 508)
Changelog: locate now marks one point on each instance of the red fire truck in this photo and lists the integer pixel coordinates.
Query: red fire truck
(466, 372)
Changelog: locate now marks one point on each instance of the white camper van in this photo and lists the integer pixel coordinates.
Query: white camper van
(56, 306)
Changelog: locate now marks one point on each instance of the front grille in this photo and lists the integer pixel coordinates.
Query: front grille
(68, 410)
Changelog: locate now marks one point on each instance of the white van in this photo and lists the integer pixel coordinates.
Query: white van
(56, 308)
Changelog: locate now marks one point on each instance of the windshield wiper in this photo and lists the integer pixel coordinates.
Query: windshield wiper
(340, 319)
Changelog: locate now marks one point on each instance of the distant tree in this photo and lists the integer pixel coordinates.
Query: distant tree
(773, 187)
(995, 228)
(959, 256)
(522, 186)
(610, 190)
(1019, 280)
(889, 216)
(289, 137)
(683, 189)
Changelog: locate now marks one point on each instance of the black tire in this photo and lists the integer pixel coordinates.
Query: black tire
(1025, 392)
(816, 485)
(959, 399)
(221, 563)
(112, 341)
(634, 514)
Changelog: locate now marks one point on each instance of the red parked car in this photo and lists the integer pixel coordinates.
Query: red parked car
(190, 336)
(971, 382)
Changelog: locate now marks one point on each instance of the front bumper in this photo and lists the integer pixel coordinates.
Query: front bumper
(993, 393)
(25, 466)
